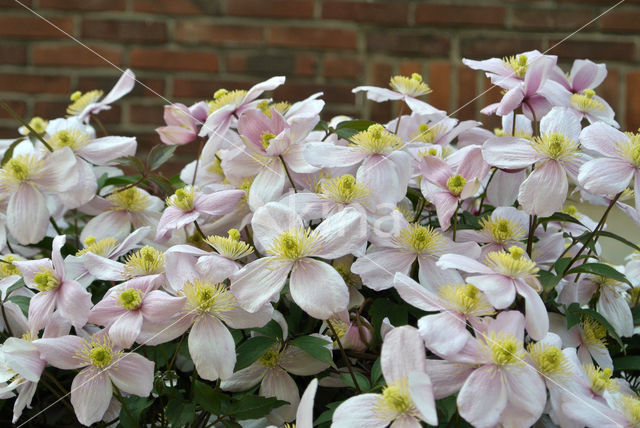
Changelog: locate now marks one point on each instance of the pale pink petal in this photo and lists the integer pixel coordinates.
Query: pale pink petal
(499, 289)
(106, 310)
(259, 282)
(360, 411)
(126, 328)
(377, 94)
(415, 294)
(56, 256)
(503, 189)
(445, 333)
(310, 206)
(174, 218)
(586, 74)
(509, 153)
(421, 391)
(270, 221)
(31, 268)
(40, 309)
(446, 205)
(170, 328)
(483, 397)
(133, 374)
(212, 348)
(436, 170)
(239, 318)
(268, 85)
(157, 304)
(614, 307)
(402, 353)
(123, 86)
(298, 362)
(216, 267)
(447, 377)
(419, 106)
(527, 396)
(219, 203)
(58, 173)
(245, 378)
(109, 224)
(61, 352)
(510, 101)
(277, 383)
(268, 185)
(74, 303)
(24, 358)
(102, 151)
(379, 174)
(465, 264)
(377, 268)
(602, 139)
(27, 215)
(304, 414)
(561, 120)
(319, 302)
(606, 176)
(341, 234)
(103, 268)
(90, 395)
(328, 155)
(548, 175)
(176, 135)
(294, 158)
(537, 320)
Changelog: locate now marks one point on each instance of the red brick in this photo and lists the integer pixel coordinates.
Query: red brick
(342, 67)
(163, 59)
(406, 68)
(168, 7)
(33, 27)
(124, 31)
(490, 93)
(146, 114)
(305, 65)
(87, 83)
(608, 89)
(33, 84)
(381, 72)
(76, 55)
(632, 121)
(271, 8)
(205, 88)
(621, 21)
(407, 43)
(481, 47)
(463, 15)
(440, 83)
(553, 19)
(207, 33)
(381, 13)
(319, 38)
(9, 131)
(467, 91)
(594, 50)
(12, 4)
(13, 54)
(19, 107)
(236, 62)
(83, 4)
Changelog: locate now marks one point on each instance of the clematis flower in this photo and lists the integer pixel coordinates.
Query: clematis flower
(182, 127)
(188, 204)
(588, 337)
(147, 261)
(503, 274)
(57, 290)
(504, 228)
(408, 397)
(507, 72)
(24, 182)
(272, 370)
(406, 89)
(105, 366)
(84, 105)
(555, 155)
(279, 231)
(353, 333)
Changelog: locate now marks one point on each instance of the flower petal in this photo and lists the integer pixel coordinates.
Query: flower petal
(341, 234)
(483, 397)
(212, 348)
(259, 282)
(133, 374)
(318, 301)
(90, 395)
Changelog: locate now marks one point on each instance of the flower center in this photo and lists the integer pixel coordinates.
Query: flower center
(183, 199)
(81, 101)
(504, 349)
(265, 139)
(630, 148)
(502, 230)
(594, 333)
(205, 296)
(130, 299)
(556, 146)
(46, 280)
(265, 107)
(222, 97)
(146, 261)
(397, 399)
(456, 184)
(101, 356)
(131, 200)
(102, 247)
(294, 244)
(600, 379)
(73, 138)
(270, 358)
(344, 189)
(231, 247)
(585, 102)
(426, 134)
(466, 299)
(413, 86)
(549, 360)
(8, 268)
(20, 168)
(512, 263)
(376, 140)
(631, 409)
(518, 64)
(38, 124)
(420, 239)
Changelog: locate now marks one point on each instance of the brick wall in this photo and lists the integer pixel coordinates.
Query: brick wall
(187, 49)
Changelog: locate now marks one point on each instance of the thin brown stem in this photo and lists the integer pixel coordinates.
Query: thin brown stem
(286, 170)
(345, 358)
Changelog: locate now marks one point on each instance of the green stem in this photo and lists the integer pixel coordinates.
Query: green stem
(399, 116)
(345, 358)
(533, 222)
(175, 354)
(119, 397)
(484, 194)
(55, 226)
(128, 186)
(286, 170)
(25, 124)
(102, 128)
(195, 171)
(202, 235)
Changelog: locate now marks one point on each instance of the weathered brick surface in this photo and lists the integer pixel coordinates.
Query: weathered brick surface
(185, 50)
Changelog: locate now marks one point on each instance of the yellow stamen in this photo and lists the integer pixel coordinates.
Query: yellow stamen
(344, 189)
(376, 140)
(271, 358)
(600, 379)
(396, 401)
(413, 86)
(46, 280)
(631, 409)
(630, 148)
(131, 200)
(183, 199)
(504, 349)
(466, 299)
(549, 360)
(295, 244)
(265, 139)
(556, 146)
(146, 261)
(102, 247)
(585, 102)
(222, 97)
(512, 263)
(205, 296)
(501, 230)
(420, 239)
(8, 269)
(80, 101)
(230, 246)
(130, 298)
(456, 184)
(20, 169)
(518, 64)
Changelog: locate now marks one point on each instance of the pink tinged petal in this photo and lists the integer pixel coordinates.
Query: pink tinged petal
(421, 391)
(465, 264)
(328, 155)
(25, 395)
(270, 221)
(245, 378)
(216, 267)
(499, 289)
(174, 218)
(614, 307)
(103, 268)
(123, 86)
(24, 358)
(586, 74)
(217, 123)
(377, 94)
(473, 164)
(133, 374)
(377, 268)
(27, 215)
(341, 234)
(157, 304)
(526, 394)
(56, 256)
(40, 309)
(636, 185)
(431, 276)
(563, 121)
(545, 190)
(588, 412)
(294, 158)
(536, 317)
(219, 203)
(268, 185)
(74, 303)
(212, 348)
(445, 333)
(319, 302)
(606, 176)
(304, 414)
(259, 282)
(84, 188)
(252, 124)
(280, 143)
(509, 153)
(309, 206)
(379, 174)
(296, 361)
(402, 353)
(503, 189)
(446, 205)
(415, 294)
(126, 328)
(360, 411)
(239, 318)
(510, 101)
(176, 135)
(58, 173)
(483, 397)
(602, 139)
(267, 85)
(114, 224)
(90, 395)
(106, 310)
(447, 377)
(436, 170)
(61, 352)
(277, 383)
(420, 107)
(102, 151)
(170, 328)
(31, 268)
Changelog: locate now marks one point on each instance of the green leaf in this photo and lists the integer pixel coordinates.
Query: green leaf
(136, 406)
(163, 183)
(558, 216)
(381, 308)
(448, 407)
(159, 155)
(22, 302)
(177, 182)
(8, 154)
(376, 372)
(618, 238)
(600, 270)
(211, 400)
(358, 125)
(122, 180)
(327, 415)
(254, 407)
(322, 126)
(101, 180)
(362, 380)
(18, 284)
(575, 313)
(131, 162)
(628, 363)
(316, 347)
(230, 424)
(180, 413)
(271, 329)
(252, 349)
(561, 265)
(548, 280)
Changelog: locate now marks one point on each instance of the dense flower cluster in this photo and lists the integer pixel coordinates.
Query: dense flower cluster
(407, 273)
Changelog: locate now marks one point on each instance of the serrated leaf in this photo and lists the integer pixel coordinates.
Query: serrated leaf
(136, 406)
(363, 382)
(8, 154)
(158, 155)
(628, 363)
(316, 347)
(600, 270)
(131, 162)
(254, 407)
(271, 329)
(180, 413)
(575, 313)
(548, 280)
(211, 400)
(252, 349)
(22, 302)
